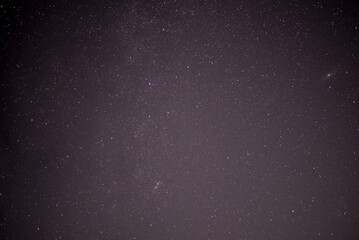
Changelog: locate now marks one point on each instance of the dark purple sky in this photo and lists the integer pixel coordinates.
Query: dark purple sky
(179, 120)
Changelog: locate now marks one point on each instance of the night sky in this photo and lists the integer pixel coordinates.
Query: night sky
(179, 120)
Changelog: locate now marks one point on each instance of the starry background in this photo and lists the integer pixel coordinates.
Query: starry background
(179, 120)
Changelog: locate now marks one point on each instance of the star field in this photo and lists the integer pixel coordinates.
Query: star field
(179, 120)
